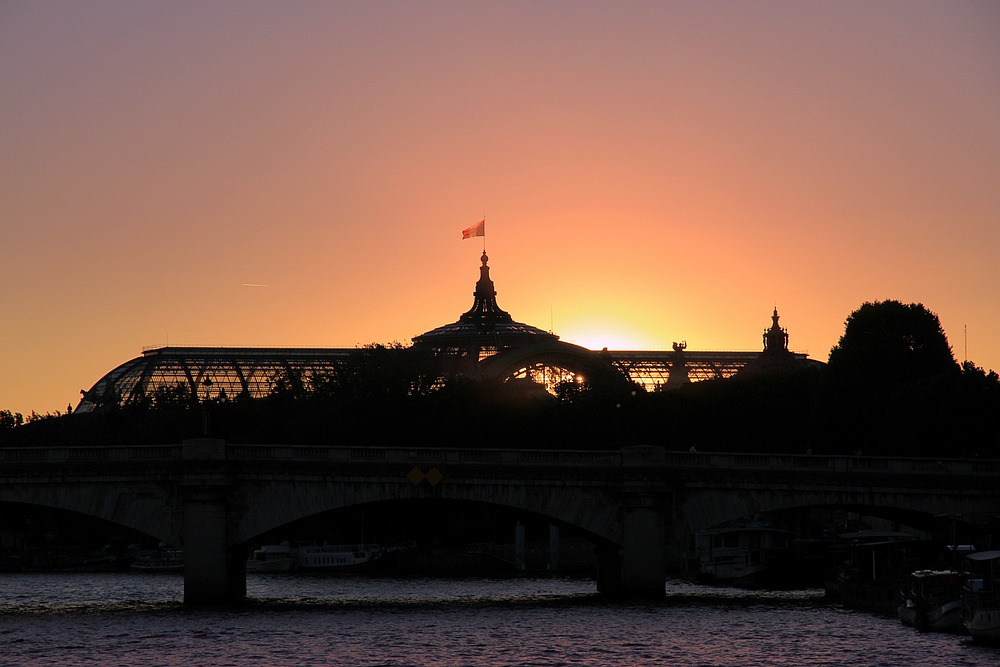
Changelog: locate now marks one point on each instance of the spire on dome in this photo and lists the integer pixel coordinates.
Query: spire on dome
(485, 312)
(485, 326)
(775, 338)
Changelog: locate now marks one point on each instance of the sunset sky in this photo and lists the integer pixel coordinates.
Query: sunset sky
(299, 173)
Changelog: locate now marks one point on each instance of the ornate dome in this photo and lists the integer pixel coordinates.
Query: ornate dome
(485, 328)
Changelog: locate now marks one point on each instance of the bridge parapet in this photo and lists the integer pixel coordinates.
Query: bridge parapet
(13, 455)
(857, 464)
(525, 457)
(204, 449)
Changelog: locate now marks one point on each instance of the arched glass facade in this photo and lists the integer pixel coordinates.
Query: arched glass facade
(208, 372)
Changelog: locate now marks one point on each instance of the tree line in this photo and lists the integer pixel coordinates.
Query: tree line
(891, 387)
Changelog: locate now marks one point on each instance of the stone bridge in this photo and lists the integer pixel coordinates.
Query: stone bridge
(638, 505)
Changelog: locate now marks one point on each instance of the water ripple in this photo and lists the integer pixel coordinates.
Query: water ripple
(134, 620)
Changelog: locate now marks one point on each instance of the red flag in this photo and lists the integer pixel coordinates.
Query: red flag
(478, 229)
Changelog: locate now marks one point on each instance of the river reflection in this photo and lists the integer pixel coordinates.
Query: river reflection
(127, 619)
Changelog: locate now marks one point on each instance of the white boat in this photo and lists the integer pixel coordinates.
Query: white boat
(273, 558)
(981, 595)
(336, 557)
(163, 560)
(933, 602)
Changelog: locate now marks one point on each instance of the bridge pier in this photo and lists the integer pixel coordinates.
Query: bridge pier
(609, 570)
(642, 562)
(213, 572)
(643, 570)
(638, 569)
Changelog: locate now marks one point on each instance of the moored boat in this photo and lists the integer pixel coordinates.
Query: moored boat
(871, 575)
(272, 558)
(159, 560)
(336, 557)
(933, 601)
(749, 556)
(981, 595)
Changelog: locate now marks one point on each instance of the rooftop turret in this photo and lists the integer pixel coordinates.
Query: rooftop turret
(775, 338)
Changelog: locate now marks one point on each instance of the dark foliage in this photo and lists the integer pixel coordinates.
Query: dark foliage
(888, 343)
(891, 386)
(769, 413)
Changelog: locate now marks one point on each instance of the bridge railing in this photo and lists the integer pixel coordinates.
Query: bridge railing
(90, 454)
(614, 458)
(424, 455)
(805, 462)
(14, 456)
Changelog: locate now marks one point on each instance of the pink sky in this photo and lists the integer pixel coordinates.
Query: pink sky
(650, 172)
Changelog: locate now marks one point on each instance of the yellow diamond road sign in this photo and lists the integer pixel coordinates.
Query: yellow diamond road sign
(417, 475)
(434, 476)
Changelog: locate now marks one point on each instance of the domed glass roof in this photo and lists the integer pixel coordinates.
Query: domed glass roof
(485, 326)
(208, 372)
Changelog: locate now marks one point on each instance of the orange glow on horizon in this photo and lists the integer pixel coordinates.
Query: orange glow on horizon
(598, 340)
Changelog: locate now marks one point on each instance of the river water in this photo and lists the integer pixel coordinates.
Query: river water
(295, 620)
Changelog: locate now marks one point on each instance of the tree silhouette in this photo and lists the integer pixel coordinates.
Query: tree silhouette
(887, 343)
(887, 382)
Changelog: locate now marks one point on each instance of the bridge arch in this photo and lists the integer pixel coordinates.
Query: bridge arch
(700, 510)
(272, 506)
(425, 520)
(150, 512)
(41, 538)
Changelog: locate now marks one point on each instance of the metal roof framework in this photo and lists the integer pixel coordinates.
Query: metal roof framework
(209, 372)
(212, 372)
